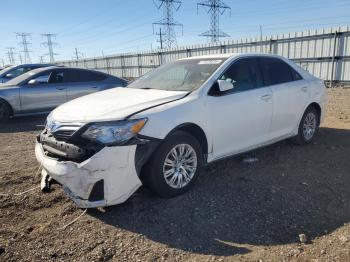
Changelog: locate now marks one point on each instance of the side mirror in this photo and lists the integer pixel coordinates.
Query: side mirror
(9, 75)
(225, 85)
(33, 82)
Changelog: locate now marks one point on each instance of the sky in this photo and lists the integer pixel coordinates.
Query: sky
(105, 27)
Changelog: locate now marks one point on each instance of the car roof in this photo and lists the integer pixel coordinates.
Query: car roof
(230, 55)
(27, 65)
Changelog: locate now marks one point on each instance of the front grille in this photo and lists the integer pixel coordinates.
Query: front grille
(63, 150)
(64, 135)
(63, 132)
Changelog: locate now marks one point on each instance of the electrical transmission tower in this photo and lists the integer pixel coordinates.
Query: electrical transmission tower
(11, 55)
(50, 44)
(215, 8)
(168, 23)
(25, 44)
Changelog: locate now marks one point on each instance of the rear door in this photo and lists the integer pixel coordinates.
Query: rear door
(82, 82)
(290, 95)
(48, 93)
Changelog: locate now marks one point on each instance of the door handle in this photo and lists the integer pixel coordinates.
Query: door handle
(266, 97)
(94, 87)
(60, 88)
(304, 88)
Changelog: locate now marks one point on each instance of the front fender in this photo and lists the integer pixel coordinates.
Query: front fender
(12, 98)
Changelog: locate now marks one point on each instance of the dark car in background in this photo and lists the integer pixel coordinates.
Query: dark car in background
(40, 90)
(13, 71)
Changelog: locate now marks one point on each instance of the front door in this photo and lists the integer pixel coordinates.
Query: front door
(45, 93)
(240, 118)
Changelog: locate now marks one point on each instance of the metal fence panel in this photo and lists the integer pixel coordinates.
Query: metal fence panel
(321, 52)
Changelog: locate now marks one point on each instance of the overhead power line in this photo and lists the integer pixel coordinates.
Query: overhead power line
(215, 8)
(168, 23)
(50, 44)
(25, 45)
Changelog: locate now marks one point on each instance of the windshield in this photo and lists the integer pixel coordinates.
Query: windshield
(5, 70)
(183, 75)
(17, 80)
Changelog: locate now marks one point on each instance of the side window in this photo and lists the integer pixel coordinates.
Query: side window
(296, 75)
(88, 76)
(244, 75)
(56, 77)
(76, 75)
(275, 71)
(42, 79)
(51, 77)
(71, 76)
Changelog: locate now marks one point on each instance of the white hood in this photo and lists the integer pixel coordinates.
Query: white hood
(112, 104)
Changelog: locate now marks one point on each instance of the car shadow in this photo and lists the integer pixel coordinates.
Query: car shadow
(23, 124)
(289, 190)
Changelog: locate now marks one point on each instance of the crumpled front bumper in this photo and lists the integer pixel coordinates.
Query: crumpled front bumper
(115, 166)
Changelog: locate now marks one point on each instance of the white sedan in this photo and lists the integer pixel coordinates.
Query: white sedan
(164, 127)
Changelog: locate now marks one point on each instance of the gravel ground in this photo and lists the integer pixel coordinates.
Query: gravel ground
(237, 211)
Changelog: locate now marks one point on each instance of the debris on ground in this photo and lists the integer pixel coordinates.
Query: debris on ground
(302, 238)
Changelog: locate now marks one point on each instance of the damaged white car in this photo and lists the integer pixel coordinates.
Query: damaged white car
(162, 128)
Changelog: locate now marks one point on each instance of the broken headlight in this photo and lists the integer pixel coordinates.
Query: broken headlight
(113, 133)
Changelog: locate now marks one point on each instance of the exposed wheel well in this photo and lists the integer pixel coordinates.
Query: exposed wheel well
(7, 103)
(197, 132)
(318, 110)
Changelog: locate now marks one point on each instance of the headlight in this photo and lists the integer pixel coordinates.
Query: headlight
(111, 133)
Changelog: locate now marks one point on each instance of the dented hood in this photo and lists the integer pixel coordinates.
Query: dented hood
(113, 104)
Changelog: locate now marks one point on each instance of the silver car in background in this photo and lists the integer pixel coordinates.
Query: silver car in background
(41, 90)
(11, 72)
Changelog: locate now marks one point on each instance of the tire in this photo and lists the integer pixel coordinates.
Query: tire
(5, 112)
(308, 127)
(155, 170)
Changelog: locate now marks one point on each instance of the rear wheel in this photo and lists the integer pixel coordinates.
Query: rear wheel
(308, 127)
(175, 165)
(4, 112)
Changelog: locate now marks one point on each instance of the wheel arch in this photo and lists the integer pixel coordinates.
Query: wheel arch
(318, 109)
(197, 132)
(2, 100)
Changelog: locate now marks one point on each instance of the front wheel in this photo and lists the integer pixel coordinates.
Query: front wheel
(175, 165)
(4, 112)
(308, 127)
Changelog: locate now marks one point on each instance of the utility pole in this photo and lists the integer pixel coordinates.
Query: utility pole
(25, 44)
(50, 44)
(11, 55)
(3, 62)
(20, 58)
(168, 23)
(77, 55)
(260, 28)
(215, 8)
(41, 59)
(161, 40)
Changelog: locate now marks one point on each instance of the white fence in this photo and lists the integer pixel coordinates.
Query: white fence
(324, 53)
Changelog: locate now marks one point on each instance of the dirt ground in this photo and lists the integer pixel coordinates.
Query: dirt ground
(236, 212)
